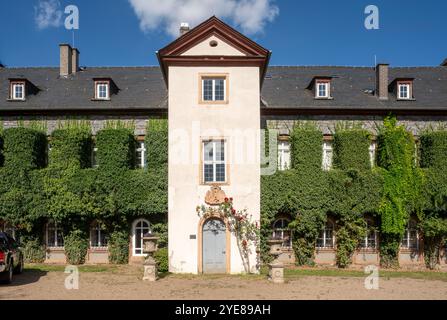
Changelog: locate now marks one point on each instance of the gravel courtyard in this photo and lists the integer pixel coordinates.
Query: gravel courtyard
(125, 283)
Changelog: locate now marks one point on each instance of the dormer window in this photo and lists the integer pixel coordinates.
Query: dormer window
(403, 90)
(102, 90)
(322, 89)
(18, 90)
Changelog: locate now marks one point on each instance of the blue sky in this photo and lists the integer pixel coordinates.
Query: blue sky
(324, 32)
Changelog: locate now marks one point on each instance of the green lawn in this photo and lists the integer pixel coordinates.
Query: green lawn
(387, 274)
(290, 273)
(61, 268)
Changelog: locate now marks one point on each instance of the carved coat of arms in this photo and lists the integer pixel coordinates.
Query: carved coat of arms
(215, 196)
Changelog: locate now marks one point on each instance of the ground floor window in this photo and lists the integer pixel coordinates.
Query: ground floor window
(139, 229)
(54, 235)
(370, 239)
(411, 236)
(98, 237)
(281, 231)
(326, 238)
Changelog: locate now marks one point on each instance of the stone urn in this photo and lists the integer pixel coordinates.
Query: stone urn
(276, 268)
(150, 265)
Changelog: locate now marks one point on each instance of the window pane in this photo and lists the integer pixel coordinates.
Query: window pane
(51, 240)
(220, 172)
(207, 89)
(94, 237)
(220, 151)
(219, 90)
(208, 151)
(208, 173)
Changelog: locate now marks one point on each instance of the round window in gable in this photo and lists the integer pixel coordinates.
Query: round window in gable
(213, 43)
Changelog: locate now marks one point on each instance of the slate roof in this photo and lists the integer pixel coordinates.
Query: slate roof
(284, 88)
(139, 88)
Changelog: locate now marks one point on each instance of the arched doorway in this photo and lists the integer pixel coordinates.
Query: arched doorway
(214, 246)
(139, 228)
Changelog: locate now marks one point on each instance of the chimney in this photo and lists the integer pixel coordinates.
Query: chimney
(74, 60)
(382, 81)
(66, 57)
(184, 28)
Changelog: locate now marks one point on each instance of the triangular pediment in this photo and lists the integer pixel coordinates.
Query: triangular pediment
(198, 40)
(213, 43)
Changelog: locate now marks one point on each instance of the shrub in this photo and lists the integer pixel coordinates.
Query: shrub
(162, 258)
(33, 250)
(76, 246)
(119, 247)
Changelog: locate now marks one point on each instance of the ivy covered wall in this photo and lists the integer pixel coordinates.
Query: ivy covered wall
(70, 193)
(390, 193)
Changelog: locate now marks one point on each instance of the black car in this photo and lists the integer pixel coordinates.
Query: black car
(11, 258)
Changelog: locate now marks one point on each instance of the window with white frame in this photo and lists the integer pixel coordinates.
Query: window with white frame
(283, 155)
(18, 91)
(411, 236)
(140, 157)
(326, 238)
(372, 153)
(370, 239)
(214, 89)
(214, 167)
(102, 90)
(327, 155)
(98, 236)
(282, 232)
(322, 89)
(140, 228)
(54, 235)
(404, 91)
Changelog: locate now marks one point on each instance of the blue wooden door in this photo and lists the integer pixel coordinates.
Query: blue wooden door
(214, 246)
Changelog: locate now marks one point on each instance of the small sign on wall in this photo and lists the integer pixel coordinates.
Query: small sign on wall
(192, 237)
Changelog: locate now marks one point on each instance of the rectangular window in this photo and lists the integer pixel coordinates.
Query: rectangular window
(140, 158)
(102, 90)
(18, 91)
(283, 155)
(410, 240)
(327, 155)
(322, 90)
(214, 89)
(404, 91)
(98, 237)
(214, 167)
(55, 238)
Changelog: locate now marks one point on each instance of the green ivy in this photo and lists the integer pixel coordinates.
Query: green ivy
(76, 246)
(351, 149)
(157, 144)
(162, 258)
(401, 189)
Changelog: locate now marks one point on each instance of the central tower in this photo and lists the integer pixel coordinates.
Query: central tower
(214, 76)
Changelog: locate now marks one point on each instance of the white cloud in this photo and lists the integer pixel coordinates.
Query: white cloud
(250, 15)
(48, 14)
